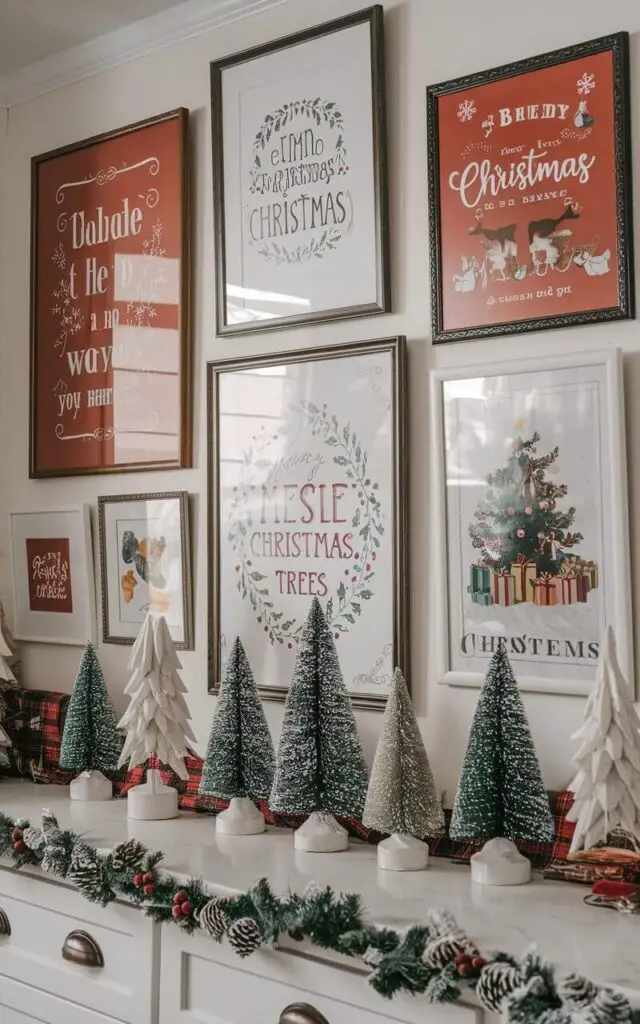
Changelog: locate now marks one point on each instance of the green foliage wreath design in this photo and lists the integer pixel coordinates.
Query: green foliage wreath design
(346, 604)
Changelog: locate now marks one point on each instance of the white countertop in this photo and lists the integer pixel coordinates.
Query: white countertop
(602, 944)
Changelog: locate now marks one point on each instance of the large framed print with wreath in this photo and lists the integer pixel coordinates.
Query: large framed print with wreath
(533, 544)
(110, 379)
(299, 158)
(53, 580)
(530, 194)
(145, 560)
(308, 498)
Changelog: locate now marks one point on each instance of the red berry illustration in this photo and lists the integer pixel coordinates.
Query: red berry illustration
(373, 556)
(478, 962)
(137, 880)
(362, 502)
(176, 910)
(464, 969)
(185, 908)
(181, 896)
(290, 646)
(354, 579)
(16, 835)
(359, 494)
(259, 618)
(147, 877)
(19, 847)
(461, 958)
(266, 629)
(368, 567)
(375, 487)
(149, 890)
(237, 568)
(336, 636)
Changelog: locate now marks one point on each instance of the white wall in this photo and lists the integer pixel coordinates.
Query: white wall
(427, 41)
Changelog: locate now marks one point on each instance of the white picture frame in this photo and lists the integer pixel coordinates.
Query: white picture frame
(576, 403)
(300, 179)
(53, 577)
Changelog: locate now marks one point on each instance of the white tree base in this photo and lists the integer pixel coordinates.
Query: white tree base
(91, 785)
(402, 853)
(500, 863)
(152, 801)
(241, 818)
(321, 833)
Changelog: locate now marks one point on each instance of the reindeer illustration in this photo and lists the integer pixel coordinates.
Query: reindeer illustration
(499, 245)
(547, 244)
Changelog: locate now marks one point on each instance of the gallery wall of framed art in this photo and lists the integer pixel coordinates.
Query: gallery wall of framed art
(409, 262)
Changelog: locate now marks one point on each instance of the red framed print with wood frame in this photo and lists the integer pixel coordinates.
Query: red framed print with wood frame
(530, 194)
(110, 374)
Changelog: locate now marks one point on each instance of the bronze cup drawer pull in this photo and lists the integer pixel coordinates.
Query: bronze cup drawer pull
(81, 948)
(302, 1013)
(5, 926)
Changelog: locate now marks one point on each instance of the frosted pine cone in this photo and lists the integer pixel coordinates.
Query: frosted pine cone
(214, 919)
(244, 936)
(497, 981)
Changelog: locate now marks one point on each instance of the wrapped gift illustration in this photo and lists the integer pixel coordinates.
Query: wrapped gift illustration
(524, 574)
(480, 598)
(591, 569)
(544, 591)
(480, 576)
(503, 587)
(566, 584)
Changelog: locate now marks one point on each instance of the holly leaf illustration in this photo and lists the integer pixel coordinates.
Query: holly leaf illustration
(366, 595)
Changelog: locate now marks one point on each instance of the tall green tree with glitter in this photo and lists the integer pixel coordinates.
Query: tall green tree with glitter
(501, 792)
(240, 760)
(321, 770)
(402, 799)
(90, 741)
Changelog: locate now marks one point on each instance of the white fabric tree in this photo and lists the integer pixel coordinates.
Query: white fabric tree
(607, 785)
(157, 719)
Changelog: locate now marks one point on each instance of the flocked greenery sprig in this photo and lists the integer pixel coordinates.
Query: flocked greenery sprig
(437, 959)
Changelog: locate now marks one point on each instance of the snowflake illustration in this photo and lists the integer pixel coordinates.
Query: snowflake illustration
(466, 110)
(586, 84)
(140, 314)
(152, 246)
(70, 316)
(59, 257)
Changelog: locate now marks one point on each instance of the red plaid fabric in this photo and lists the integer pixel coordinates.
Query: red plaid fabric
(39, 731)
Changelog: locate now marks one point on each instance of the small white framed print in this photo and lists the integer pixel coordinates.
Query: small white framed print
(53, 575)
(145, 562)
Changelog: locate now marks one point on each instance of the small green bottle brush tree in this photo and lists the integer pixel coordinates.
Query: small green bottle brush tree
(321, 770)
(501, 795)
(240, 761)
(402, 799)
(90, 742)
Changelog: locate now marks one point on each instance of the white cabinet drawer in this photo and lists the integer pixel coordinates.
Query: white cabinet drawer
(42, 914)
(205, 982)
(23, 1004)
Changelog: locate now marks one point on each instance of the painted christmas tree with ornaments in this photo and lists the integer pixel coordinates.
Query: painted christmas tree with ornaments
(525, 537)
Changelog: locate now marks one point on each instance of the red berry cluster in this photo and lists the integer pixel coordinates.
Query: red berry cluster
(181, 906)
(469, 966)
(145, 882)
(19, 844)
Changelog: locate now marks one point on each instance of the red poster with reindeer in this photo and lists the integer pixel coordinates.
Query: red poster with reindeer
(530, 194)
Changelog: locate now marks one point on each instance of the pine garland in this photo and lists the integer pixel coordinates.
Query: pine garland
(436, 959)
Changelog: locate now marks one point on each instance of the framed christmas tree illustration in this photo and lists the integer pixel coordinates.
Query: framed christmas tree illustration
(532, 504)
(308, 498)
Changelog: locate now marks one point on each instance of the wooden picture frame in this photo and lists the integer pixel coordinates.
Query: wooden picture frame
(53, 579)
(531, 519)
(145, 565)
(530, 194)
(338, 471)
(303, 256)
(110, 380)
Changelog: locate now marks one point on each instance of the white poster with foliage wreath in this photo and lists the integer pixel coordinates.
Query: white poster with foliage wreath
(307, 488)
(300, 161)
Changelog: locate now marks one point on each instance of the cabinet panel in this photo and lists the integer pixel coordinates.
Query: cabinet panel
(22, 1004)
(42, 915)
(206, 983)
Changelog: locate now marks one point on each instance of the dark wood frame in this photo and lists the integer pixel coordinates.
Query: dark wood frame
(374, 16)
(619, 45)
(185, 544)
(185, 459)
(398, 349)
